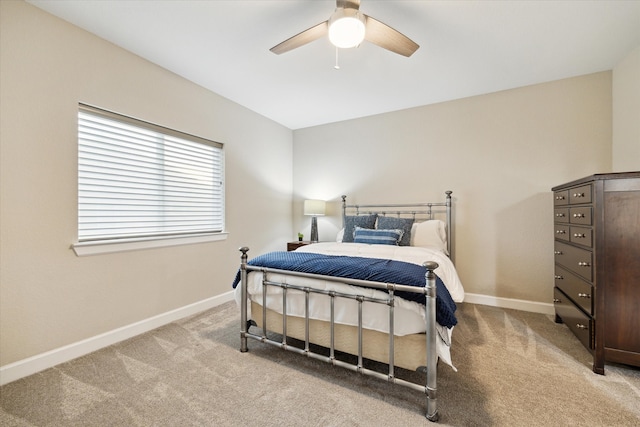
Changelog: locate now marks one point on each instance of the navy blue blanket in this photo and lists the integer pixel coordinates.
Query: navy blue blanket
(372, 269)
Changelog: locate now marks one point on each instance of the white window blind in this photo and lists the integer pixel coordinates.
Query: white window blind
(139, 180)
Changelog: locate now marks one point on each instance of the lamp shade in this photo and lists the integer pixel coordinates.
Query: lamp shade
(346, 28)
(314, 207)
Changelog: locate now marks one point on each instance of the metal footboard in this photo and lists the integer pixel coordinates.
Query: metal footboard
(430, 388)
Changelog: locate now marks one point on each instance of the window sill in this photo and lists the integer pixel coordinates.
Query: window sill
(107, 246)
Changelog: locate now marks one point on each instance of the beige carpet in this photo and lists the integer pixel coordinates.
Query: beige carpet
(514, 369)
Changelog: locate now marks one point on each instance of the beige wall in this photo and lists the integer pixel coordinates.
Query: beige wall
(500, 154)
(49, 297)
(626, 113)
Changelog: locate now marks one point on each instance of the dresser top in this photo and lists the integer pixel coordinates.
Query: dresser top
(599, 176)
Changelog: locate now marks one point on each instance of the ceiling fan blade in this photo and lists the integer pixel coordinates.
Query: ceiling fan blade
(348, 4)
(386, 37)
(300, 39)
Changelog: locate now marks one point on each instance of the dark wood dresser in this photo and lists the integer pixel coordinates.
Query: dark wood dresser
(597, 264)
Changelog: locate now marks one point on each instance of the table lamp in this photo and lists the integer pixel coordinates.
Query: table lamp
(314, 208)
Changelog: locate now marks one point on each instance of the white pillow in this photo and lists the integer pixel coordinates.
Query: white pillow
(340, 235)
(430, 233)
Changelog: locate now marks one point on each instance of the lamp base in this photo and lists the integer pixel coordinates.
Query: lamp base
(314, 229)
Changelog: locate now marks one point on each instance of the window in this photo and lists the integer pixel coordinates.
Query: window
(139, 181)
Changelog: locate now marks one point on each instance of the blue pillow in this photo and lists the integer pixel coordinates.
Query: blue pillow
(394, 223)
(351, 222)
(377, 237)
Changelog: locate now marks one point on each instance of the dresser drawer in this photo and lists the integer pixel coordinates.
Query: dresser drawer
(562, 232)
(580, 216)
(579, 195)
(579, 261)
(561, 198)
(577, 289)
(581, 235)
(579, 323)
(561, 215)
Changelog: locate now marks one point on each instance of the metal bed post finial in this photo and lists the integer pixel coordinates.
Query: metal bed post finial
(432, 357)
(344, 209)
(243, 302)
(449, 224)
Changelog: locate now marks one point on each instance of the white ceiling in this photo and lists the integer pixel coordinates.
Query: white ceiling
(466, 48)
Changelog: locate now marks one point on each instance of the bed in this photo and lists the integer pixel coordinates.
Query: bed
(385, 290)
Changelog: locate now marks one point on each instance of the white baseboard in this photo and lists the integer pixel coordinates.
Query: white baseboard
(22, 368)
(516, 304)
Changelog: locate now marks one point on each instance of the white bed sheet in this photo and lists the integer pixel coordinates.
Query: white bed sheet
(409, 316)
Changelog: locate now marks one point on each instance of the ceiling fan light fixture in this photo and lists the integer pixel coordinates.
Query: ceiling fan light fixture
(346, 28)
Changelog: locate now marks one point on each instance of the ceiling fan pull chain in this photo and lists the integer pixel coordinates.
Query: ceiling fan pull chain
(337, 67)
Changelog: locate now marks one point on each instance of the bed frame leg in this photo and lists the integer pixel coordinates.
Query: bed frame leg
(432, 406)
(432, 356)
(243, 303)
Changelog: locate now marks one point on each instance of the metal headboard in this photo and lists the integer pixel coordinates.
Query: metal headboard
(417, 211)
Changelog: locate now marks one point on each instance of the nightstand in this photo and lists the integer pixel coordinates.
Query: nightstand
(292, 246)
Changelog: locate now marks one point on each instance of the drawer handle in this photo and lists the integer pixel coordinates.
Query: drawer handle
(576, 195)
(557, 300)
(561, 231)
(581, 295)
(583, 264)
(559, 215)
(579, 235)
(578, 215)
(557, 252)
(559, 278)
(559, 197)
(580, 326)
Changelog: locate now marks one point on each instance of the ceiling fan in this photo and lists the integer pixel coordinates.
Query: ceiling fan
(348, 27)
